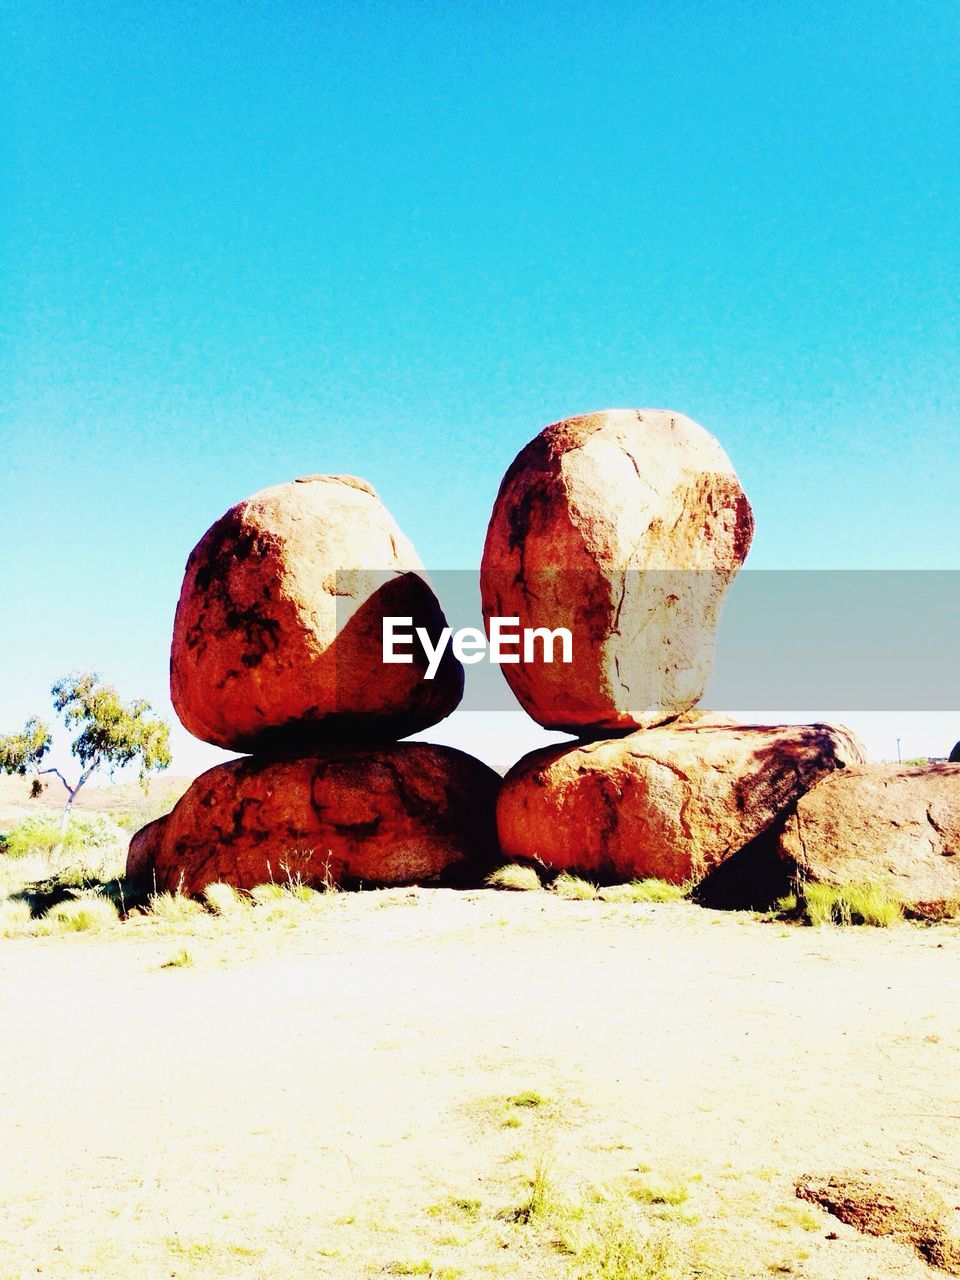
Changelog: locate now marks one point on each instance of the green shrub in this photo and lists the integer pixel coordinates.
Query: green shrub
(40, 836)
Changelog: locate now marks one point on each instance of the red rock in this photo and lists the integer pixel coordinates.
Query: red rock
(277, 642)
(144, 844)
(673, 802)
(626, 527)
(895, 824)
(410, 813)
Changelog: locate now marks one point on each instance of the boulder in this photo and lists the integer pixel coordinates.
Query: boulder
(955, 755)
(402, 814)
(626, 527)
(673, 802)
(278, 636)
(898, 824)
(144, 845)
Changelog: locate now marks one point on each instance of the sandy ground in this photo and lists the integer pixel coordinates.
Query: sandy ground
(305, 1101)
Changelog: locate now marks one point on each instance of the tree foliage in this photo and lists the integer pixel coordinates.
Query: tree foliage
(22, 753)
(111, 734)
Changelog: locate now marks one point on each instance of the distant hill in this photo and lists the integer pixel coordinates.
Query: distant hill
(109, 798)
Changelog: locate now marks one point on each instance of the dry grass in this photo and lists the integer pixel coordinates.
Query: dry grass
(80, 915)
(874, 904)
(573, 888)
(514, 877)
(659, 1192)
(650, 890)
(224, 900)
(173, 909)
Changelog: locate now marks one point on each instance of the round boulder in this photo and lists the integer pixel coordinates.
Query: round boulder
(626, 528)
(410, 813)
(278, 636)
(896, 825)
(674, 802)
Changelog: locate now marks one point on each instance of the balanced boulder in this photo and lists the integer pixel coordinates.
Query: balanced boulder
(409, 813)
(278, 636)
(626, 528)
(894, 824)
(673, 802)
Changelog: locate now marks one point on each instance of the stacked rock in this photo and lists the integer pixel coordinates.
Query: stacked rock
(627, 528)
(277, 651)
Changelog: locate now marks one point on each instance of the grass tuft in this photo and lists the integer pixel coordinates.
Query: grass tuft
(15, 918)
(181, 959)
(538, 1203)
(81, 915)
(224, 900)
(573, 888)
(287, 903)
(862, 904)
(173, 908)
(527, 1099)
(660, 1193)
(650, 890)
(264, 894)
(514, 877)
(610, 1250)
(461, 1208)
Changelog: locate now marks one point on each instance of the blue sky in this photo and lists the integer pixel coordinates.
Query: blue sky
(247, 242)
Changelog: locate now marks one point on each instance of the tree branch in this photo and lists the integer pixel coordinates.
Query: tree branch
(86, 774)
(70, 790)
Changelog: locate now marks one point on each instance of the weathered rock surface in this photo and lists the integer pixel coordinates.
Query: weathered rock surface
(278, 637)
(144, 845)
(673, 802)
(913, 1212)
(409, 813)
(892, 823)
(626, 527)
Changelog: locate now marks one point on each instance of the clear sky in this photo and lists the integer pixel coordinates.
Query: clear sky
(243, 243)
